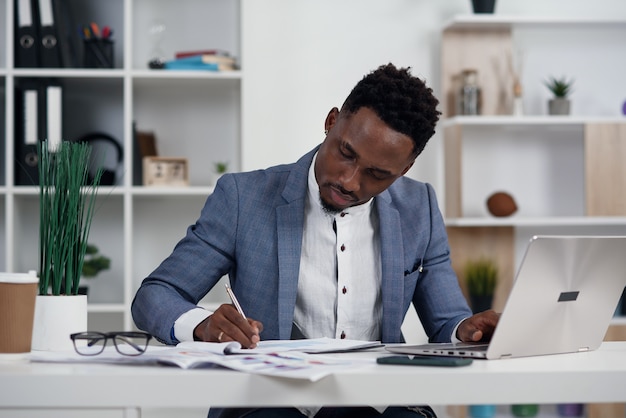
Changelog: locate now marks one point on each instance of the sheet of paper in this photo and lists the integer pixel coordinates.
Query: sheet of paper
(310, 346)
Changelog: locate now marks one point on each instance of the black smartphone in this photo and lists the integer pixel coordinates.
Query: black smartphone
(438, 361)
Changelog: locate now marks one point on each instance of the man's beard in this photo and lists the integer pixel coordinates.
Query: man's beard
(329, 209)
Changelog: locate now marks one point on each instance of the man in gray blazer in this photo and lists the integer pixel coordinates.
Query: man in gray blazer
(335, 245)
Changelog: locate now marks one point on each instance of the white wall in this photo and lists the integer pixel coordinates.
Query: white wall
(302, 57)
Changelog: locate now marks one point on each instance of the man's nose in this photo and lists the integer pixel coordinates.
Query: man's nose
(352, 180)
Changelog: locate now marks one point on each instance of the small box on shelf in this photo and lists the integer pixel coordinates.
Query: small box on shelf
(165, 171)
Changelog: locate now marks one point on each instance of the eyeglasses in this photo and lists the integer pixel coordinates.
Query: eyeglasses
(131, 343)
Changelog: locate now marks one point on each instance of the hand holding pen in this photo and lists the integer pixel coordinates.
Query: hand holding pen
(229, 323)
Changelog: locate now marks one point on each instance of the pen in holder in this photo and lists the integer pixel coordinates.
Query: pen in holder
(98, 53)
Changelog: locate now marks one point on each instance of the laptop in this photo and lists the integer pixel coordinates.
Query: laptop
(562, 300)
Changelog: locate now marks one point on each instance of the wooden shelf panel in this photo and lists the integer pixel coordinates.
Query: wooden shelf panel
(514, 221)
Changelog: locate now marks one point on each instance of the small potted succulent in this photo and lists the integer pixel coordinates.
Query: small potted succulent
(561, 89)
(481, 277)
(220, 168)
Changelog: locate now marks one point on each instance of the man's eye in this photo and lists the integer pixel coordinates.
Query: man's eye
(378, 175)
(345, 153)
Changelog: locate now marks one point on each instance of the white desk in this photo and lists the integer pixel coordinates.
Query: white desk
(593, 377)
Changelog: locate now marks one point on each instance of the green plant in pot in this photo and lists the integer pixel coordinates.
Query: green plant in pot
(561, 88)
(219, 168)
(66, 208)
(94, 263)
(481, 277)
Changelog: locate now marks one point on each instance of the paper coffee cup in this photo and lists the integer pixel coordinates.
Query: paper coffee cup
(17, 311)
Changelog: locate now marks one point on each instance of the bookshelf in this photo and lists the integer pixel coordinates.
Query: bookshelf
(560, 169)
(194, 114)
(563, 171)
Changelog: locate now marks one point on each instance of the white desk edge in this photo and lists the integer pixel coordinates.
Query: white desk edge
(597, 376)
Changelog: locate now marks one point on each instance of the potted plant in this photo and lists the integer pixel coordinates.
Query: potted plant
(66, 210)
(483, 6)
(220, 168)
(93, 264)
(481, 277)
(561, 89)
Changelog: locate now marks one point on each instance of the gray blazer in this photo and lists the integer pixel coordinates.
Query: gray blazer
(251, 229)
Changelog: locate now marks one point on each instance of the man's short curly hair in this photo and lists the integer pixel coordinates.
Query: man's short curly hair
(402, 101)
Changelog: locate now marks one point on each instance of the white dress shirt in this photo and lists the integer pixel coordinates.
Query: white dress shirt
(339, 285)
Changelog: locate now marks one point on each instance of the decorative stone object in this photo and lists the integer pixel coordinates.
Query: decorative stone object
(501, 204)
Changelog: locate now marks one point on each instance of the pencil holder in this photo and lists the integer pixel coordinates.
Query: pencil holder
(98, 53)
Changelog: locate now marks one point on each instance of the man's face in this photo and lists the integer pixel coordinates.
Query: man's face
(360, 157)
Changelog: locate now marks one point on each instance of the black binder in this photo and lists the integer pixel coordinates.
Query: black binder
(26, 51)
(49, 45)
(67, 35)
(28, 131)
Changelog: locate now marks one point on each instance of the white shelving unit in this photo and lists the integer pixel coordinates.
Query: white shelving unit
(194, 114)
(564, 172)
(549, 164)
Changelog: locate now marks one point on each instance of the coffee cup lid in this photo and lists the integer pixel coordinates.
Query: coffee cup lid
(30, 277)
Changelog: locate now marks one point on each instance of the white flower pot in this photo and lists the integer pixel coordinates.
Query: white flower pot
(56, 317)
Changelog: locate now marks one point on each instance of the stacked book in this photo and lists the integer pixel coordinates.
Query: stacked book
(210, 60)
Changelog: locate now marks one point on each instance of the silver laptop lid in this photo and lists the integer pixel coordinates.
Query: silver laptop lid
(563, 298)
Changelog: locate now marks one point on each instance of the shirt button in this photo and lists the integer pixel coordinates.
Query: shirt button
(344, 290)
(343, 214)
(343, 335)
(343, 247)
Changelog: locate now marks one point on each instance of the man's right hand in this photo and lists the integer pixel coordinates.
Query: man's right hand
(227, 324)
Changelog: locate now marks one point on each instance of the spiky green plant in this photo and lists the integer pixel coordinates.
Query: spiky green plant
(481, 277)
(560, 87)
(66, 208)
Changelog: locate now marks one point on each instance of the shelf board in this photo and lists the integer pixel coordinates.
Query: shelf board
(182, 74)
(68, 72)
(34, 190)
(120, 73)
(106, 307)
(529, 121)
(172, 191)
(121, 190)
(536, 221)
(495, 21)
(619, 320)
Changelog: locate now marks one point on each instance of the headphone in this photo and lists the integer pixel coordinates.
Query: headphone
(108, 174)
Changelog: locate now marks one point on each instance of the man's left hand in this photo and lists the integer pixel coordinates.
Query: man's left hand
(479, 327)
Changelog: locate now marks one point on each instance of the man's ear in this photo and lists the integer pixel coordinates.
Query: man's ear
(331, 119)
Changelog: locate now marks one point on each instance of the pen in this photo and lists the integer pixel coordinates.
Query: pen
(234, 300)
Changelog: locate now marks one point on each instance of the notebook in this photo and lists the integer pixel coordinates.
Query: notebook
(562, 300)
